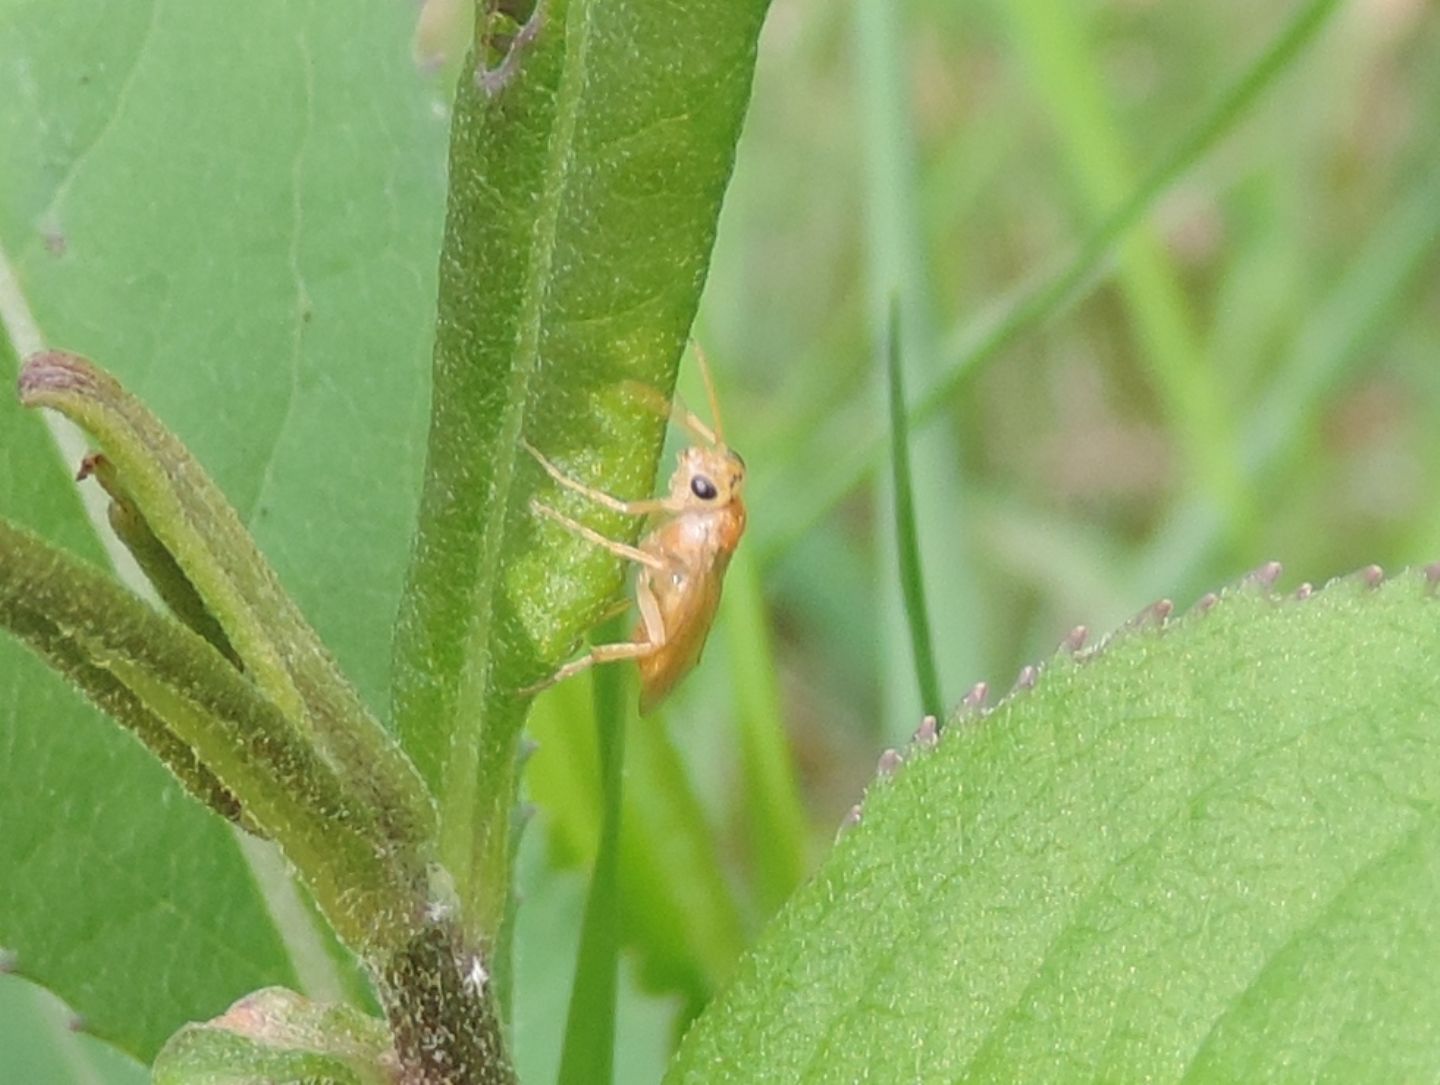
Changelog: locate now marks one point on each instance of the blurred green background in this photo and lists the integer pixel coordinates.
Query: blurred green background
(1250, 374)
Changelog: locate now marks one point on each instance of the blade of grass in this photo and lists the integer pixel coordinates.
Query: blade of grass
(775, 821)
(907, 545)
(1052, 40)
(678, 909)
(896, 268)
(1345, 329)
(979, 343)
(589, 1050)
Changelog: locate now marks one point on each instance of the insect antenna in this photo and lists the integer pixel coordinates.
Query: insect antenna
(718, 437)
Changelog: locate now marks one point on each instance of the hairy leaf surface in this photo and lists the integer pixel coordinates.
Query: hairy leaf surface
(1206, 852)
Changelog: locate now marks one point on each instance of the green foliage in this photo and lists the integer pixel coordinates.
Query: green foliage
(1207, 850)
(1163, 265)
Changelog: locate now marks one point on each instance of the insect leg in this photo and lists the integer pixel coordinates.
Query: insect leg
(650, 616)
(624, 550)
(629, 508)
(601, 653)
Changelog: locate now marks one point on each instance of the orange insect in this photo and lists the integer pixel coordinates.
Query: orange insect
(682, 559)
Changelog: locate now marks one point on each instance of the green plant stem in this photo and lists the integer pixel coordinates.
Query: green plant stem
(897, 272)
(442, 1011)
(907, 545)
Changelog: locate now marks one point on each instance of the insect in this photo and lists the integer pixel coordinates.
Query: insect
(682, 559)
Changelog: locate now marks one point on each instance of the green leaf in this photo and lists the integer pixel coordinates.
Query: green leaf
(275, 1037)
(586, 175)
(238, 209)
(31, 572)
(1208, 850)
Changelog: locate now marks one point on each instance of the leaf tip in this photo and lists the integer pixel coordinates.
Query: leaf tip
(849, 821)
(1026, 678)
(492, 80)
(1074, 640)
(93, 463)
(9, 962)
(50, 371)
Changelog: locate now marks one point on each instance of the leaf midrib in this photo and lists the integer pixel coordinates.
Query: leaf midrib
(459, 799)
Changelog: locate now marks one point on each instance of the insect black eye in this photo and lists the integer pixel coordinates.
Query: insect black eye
(703, 488)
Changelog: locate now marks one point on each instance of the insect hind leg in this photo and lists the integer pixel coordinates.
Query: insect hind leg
(601, 653)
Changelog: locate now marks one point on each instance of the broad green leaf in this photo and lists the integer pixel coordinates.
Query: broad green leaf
(39, 1048)
(586, 167)
(237, 210)
(1207, 851)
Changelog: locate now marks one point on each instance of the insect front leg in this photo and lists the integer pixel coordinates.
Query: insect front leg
(620, 549)
(600, 497)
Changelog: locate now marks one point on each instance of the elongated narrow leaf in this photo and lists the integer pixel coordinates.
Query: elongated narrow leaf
(181, 697)
(100, 846)
(1208, 851)
(586, 172)
(202, 532)
(907, 543)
